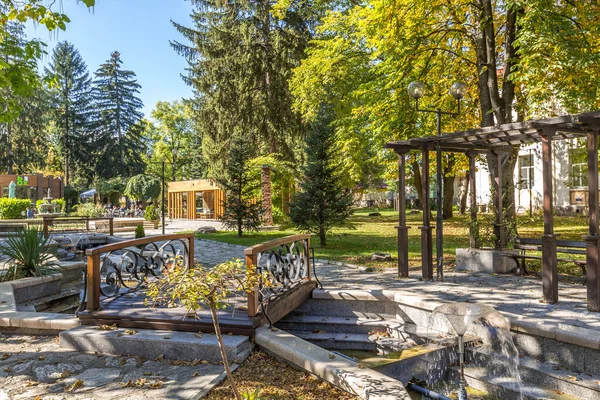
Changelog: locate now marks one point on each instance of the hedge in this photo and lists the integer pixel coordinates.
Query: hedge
(13, 208)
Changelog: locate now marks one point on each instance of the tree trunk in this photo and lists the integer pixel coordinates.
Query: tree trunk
(448, 188)
(9, 153)
(464, 193)
(215, 317)
(509, 161)
(417, 180)
(267, 205)
(322, 236)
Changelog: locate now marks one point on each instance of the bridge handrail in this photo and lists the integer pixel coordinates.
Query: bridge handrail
(286, 261)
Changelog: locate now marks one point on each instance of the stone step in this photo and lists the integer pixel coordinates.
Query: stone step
(355, 341)
(171, 345)
(348, 308)
(339, 324)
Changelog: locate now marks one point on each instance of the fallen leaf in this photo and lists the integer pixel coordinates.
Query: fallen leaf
(199, 335)
(76, 385)
(130, 331)
(204, 362)
(41, 358)
(157, 384)
(167, 337)
(119, 334)
(5, 356)
(332, 356)
(147, 373)
(108, 327)
(195, 374)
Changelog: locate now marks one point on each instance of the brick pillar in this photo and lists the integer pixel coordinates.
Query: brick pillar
(266, 195)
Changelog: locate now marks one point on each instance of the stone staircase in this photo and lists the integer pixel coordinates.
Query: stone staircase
(374, 332)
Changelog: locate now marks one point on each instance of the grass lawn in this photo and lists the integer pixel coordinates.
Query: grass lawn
(377, 234)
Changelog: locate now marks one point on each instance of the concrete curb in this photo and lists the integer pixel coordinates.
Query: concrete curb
(15, 320)
(345, 374)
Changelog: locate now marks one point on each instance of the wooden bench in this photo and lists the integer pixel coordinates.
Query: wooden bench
(563, 247)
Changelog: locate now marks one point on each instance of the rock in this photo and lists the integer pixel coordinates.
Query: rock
(381, 257)
(207, 229)
(375, 214)
(20, 368)
(50, 373)
(94, 377)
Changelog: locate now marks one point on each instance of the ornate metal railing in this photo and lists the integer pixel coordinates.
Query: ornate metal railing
(121, 268)
(282, 263)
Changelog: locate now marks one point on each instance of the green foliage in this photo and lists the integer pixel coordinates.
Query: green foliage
(241, 57)
(242, 212)
(31, 253)
(107, 187)
(143, 187)
(72, 107)
(151, 213)
(139, 232)
(13, 208)
(176, 140)
(90, 210)
(119, 128)
(323, 202)
(60, 202)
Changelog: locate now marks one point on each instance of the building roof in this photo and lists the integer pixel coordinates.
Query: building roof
(504, 137)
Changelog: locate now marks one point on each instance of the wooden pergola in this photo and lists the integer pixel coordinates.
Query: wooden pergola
(496, 140)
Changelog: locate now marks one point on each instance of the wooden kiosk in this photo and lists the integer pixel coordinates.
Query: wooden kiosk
(196, 199)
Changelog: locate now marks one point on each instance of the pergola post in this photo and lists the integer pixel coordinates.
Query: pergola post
(402, 228)
(593, 240)
(426, 240)
(499, 225)
(472, 198)
(549, 262)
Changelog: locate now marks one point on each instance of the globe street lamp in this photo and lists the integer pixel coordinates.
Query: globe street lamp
(416, 90)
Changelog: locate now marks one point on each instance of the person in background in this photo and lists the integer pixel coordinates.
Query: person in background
(29, 213)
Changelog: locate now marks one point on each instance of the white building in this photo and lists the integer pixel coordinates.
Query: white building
(569, 178)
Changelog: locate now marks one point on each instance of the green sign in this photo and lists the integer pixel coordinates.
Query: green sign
(22, 181)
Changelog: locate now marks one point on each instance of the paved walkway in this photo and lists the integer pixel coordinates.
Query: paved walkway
(517, 295)
(36, 368)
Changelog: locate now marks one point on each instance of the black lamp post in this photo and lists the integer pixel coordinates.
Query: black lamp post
(174, 152)
(416, 90)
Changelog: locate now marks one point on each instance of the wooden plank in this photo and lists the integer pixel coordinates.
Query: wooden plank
(206, 326)
(93, 282)
(289, 301)
(137, 242)
(274, 243)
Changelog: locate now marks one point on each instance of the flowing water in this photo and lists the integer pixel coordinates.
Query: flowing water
(493, 353)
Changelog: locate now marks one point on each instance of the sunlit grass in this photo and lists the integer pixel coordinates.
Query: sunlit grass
(378, 234)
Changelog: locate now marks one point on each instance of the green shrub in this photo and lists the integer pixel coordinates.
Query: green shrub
(13, 208)
(151, 213)
(88, 210)
(31, 253)
(60, 202)
(139, 232)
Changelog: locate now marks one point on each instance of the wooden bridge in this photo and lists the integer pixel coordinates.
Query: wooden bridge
(117, 276)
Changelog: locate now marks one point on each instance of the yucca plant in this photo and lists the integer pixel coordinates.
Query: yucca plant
(30, 253)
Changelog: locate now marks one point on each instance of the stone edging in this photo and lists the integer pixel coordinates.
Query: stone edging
(345, 374)
(11, 318)
(560, 332)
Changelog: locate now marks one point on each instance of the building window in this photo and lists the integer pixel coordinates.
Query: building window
(526, 171)
(579, 168)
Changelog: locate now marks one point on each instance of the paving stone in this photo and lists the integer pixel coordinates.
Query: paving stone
(50, 373)
(94, 377)
(21, 368)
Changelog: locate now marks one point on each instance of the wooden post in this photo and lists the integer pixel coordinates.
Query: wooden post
(426, 242)
(93, 282)
(252, 296)
(473, 199)
(402, 228)
(191, 261)
(499, 224)
(593, 240)
(549, 262)
(45, 227)
(110, 226)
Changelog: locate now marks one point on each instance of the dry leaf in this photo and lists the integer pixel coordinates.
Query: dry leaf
(361, 366)
(5, 356)
(204, 362)
(130, 331)
(195, 374)
(76, 385)
(199, 335)
(167, 337)
(157, 384)
(41, 358)
(31, 383)
(119, 334)
(147, 373)
(129, 383)
(108, 327)
(160, 357)
(332, 356)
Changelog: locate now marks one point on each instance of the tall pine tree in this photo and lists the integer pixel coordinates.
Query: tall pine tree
(72, 108)
(240, 60)
(323, 202)
(119, 125)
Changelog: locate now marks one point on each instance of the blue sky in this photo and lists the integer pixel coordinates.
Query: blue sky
(140, 30)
